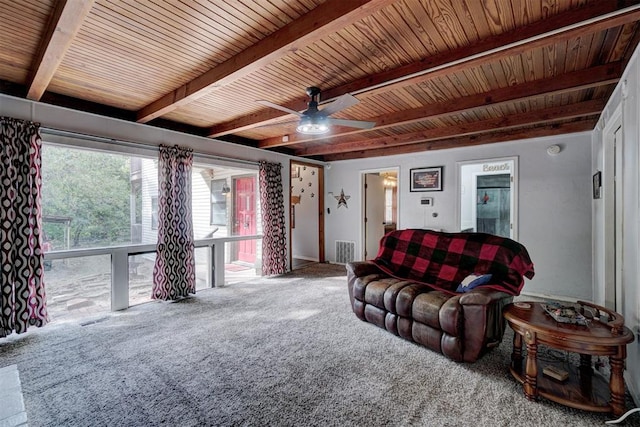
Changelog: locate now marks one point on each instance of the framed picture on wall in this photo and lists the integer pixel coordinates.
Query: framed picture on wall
(295, 171)
(426, 179)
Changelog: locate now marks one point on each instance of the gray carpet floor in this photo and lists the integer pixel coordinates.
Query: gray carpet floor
(283, 351)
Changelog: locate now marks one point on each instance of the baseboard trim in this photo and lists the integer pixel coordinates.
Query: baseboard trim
(548, 296)
(306, 258)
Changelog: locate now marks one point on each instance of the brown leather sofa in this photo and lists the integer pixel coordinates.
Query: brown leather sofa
(410, 289)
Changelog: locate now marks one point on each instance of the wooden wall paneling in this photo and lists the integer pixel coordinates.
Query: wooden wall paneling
(22, 26)
(300, 32)
(468, 21)
(416, 65)
(549, 64)
(477, 78)
(167, 37)
(426, 22)
(427, 43)
(444, 17)
(397, 23)
(623, 36)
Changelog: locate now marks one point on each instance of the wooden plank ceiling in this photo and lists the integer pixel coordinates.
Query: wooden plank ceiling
(431, 74)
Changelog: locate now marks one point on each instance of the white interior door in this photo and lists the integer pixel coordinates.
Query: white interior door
(373, 213)
(619, 223)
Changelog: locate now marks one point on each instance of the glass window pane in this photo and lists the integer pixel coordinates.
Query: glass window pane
(219, 191)
(154, 213)
(96, 199)
(388, 205)
(141, 277)
(239, 268)
(203, 266)
(78, 288)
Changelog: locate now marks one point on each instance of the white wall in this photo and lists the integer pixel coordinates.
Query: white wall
(554, 205)
(626, 97)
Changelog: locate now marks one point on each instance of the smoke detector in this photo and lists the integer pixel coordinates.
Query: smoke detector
(552, 150)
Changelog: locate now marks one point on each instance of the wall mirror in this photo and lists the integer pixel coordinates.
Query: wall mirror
(488, 196)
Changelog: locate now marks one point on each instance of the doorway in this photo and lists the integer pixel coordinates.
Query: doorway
(244, 223)
(380, 208)
(612, 193)
(488, 198)
(493, 204)
(306, 225)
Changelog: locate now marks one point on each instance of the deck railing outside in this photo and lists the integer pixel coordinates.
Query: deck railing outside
(128, 280)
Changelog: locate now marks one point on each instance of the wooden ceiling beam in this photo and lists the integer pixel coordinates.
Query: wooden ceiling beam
(327, 18)
(594, 17)
(577, 80)
(530, 118)
(471, 140)
(522, 40)
(64, 23)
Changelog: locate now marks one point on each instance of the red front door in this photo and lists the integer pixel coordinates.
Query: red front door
(245, 217)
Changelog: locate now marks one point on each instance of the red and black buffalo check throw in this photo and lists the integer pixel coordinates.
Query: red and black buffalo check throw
(443, 260)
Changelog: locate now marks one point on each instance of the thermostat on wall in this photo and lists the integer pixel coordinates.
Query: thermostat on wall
(426, 201)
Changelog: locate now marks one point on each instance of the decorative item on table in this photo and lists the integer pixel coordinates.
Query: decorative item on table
(565, 313)
(555, 373)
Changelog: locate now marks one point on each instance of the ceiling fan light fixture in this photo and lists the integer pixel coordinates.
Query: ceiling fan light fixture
(316, 125)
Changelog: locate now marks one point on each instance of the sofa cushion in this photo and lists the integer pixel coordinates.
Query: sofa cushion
(426, 308)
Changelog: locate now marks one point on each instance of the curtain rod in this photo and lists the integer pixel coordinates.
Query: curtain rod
(129, 144)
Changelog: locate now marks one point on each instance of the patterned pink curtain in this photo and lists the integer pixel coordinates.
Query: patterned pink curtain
(274, 244)
(174, 274)
(21, 278)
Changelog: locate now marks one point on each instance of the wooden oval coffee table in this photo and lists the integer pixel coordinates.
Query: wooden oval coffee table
(584, 389)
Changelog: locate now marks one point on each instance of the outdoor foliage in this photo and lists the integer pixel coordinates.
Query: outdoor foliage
(93, 190)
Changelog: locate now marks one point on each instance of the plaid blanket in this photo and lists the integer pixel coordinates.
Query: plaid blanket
(443, 260)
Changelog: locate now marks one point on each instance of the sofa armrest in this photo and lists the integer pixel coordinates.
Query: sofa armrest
(483, 322)
(362, 268)
(479, 296)
(356, 271)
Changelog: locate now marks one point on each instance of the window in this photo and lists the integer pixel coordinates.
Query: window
(91, 198)
(388, 205)
(136, 202)
(136, 210)
(219, 191)
(100, 198)
(154, 213)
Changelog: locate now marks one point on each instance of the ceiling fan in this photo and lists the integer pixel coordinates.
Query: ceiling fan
(317, 122)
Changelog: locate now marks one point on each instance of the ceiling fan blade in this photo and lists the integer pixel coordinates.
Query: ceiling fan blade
(341, 102)
(278, 107)
(352, 123)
